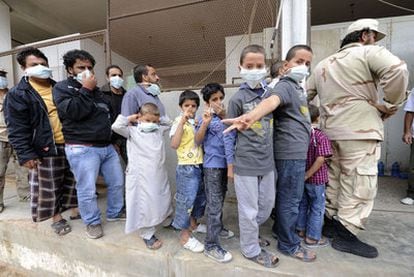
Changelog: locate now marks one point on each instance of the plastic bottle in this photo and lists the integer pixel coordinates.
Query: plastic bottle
(395, 169)
(381, 168)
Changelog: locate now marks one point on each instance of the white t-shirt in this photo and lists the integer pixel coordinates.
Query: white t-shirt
(409, 107)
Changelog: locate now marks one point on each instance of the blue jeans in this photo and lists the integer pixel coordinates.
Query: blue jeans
(215, 182)
(290, 185)
(190, 197)
(86, 163)
(311, 211)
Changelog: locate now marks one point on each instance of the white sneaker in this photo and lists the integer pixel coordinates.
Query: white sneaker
(201, 228)
(407, 201)
(194, 245)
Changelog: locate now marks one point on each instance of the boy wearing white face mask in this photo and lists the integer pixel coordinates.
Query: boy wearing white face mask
(292, 129)
(148, 195)
(253, 164)
(114, 92)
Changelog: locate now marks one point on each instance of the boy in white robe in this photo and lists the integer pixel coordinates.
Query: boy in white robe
(148, 194)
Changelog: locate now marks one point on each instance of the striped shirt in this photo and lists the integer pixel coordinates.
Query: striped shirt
(319, 146)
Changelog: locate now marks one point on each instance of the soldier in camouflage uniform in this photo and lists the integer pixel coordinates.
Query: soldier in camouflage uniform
(347, 83)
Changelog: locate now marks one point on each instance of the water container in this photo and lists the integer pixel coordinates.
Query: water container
(395, 169)
(381, 168)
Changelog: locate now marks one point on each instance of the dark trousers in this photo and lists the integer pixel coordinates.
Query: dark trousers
(215, 182)
(290, 186)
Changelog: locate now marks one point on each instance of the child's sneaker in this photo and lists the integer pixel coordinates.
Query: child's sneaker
(120, 217)
(218, 254)
(226, 234)
(201, 228)
(194, 245)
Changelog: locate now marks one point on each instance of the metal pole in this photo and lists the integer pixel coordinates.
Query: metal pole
(107, 40)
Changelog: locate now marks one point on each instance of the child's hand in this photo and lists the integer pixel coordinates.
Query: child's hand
(207, 116)
(134, 118)
(219, 110)
(186, 116)
(230, 173)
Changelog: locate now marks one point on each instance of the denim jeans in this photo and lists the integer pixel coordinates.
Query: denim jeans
(311, 211)
(215, 182)
(290, 186)
(86, 163)
(190, 197)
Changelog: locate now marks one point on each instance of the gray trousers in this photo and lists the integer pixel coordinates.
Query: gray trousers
(255, 197)
(22, 179)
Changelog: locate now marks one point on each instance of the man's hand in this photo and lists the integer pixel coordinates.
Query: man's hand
(89, 82)
(385, 112)
(32, 164)
(407, 138)
(240, 123)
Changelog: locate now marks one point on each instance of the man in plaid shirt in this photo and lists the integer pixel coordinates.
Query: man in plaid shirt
(312, 206)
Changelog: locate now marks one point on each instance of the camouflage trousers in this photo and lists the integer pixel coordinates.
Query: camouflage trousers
(352, 183)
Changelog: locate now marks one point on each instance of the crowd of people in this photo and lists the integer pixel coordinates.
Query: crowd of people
(313, 169)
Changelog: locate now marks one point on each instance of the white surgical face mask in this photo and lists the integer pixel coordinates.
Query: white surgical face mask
(298, 73)
(116, 81)
(39, 71)
(80, 75)
(253, 77)
(154, 89)
(148, 127)
(3, 82)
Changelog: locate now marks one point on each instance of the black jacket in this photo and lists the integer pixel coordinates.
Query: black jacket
(85, 114)
(28, 125)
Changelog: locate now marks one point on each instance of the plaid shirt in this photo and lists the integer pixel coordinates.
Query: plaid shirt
(319, 146)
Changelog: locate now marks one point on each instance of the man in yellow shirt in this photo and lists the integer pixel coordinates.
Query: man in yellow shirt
(35, 133)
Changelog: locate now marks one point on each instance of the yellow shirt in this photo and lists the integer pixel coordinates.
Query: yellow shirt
(46, 93)
(188, 153)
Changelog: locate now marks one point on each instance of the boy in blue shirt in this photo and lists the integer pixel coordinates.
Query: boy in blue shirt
(216, 157)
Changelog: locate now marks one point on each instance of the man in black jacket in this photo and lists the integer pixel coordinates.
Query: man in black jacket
(35, 133)
(86, 122)
(114, 93)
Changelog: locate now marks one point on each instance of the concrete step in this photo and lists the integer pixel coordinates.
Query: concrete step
(39, 252)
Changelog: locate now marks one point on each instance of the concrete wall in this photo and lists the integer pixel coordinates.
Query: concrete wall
(325, 40)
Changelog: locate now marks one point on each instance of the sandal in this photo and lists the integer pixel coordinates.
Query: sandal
(263, 242)
(265, 259)
(303, 255)
(153, 243)
(61, 227)
(75, 217)
(301, 234)
(323, 242)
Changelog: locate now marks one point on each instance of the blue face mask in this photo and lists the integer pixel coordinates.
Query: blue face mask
(39, 71)
(148, 127)
(3, 82)
(154, 89)
(80, 75)
(116, 82)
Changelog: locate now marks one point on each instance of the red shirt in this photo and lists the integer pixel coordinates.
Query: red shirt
(319, 146)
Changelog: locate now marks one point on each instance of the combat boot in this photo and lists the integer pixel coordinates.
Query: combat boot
(345, 241)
